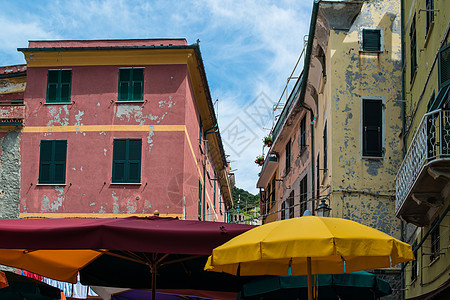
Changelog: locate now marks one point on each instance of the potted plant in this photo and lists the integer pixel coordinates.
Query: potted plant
(259, 160)
(268, 141)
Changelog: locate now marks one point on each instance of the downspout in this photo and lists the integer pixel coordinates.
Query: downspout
(312, 30)
(402, 226)
(213, 129)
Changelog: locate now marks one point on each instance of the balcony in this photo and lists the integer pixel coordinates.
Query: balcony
(268, 168)
(422, 181)
(12, 112)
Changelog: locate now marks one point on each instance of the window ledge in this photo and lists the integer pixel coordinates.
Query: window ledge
(126, 183)
(58, 103)
(52, 184)
(371, 51)
(129, 102)
(372, 157)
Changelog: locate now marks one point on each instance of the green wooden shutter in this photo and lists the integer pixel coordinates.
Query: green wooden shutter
(131, 84)
(444, 66)
(59, 86)
(372, 127)
(126, 161)
(134, 160)
(371, 40)
(52, 163)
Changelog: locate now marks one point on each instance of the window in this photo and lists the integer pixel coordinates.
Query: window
(430, 14)
(372, 127)
(52, 163)
(291, 205)
(288, 157)
(414, 268)
(371, 40)
(435, 242)
(325, 148)
(126, 161)
(283, 211)
(131, 84)
(272, 200)
(303, 194)
(444, 66)
(318, 176)
(58, 86)
(413, 47)
(303, 134)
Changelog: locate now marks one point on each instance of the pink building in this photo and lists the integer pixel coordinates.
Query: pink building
(115, 128)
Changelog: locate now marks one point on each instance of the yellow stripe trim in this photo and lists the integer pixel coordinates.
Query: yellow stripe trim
(91, 215)
(99, 128)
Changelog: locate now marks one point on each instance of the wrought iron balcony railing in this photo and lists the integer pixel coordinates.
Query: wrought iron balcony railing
(431, 144)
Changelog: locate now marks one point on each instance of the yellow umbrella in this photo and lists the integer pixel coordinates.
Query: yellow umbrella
(308, 245)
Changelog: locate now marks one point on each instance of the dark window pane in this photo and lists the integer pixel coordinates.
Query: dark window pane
(137, 91)
(138, 74)
(123, 91)
(65, 93)
(119, 150)
(51, 93)
(60, 150)
(44, 173)
(134, 172)
(372, 127)
(53, 76)
(66, 76)
(135, 150)
(444, 66)
(119, 170)
(60, 170)
(46, 151)
(371, 39)
(124, 74)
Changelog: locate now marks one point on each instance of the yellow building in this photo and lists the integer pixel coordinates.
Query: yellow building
(422, 183)
(338, 140)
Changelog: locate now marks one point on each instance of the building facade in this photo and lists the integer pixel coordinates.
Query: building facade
(338, 140)
(422, 183)
(115, 128)
(12, 114)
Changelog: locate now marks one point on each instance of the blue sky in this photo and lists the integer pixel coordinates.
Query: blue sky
(249, 49)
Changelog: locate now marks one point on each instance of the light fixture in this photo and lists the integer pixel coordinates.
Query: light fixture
(323, 210)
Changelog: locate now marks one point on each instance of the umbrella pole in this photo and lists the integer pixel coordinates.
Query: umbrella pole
(153, 281)
(308, 267)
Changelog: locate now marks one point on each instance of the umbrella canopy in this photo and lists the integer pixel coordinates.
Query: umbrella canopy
(356, 285)
(308, 245)
(21, 287)
(333, 245)
(130, 252)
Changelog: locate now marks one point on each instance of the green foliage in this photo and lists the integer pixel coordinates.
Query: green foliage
(247, 202)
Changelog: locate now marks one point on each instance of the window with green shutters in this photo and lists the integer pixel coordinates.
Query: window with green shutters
(413, 47)
(444, 66)
(131, 84)
(58, 86)
(52, 162)
(126, 161)
(371, 39)
(430, 14)
(372, 127)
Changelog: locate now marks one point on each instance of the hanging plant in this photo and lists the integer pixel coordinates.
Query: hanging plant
(259, 160)
(268, 141)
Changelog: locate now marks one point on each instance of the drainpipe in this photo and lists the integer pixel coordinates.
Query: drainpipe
(213, 129)
(402, 36)
(312, 30)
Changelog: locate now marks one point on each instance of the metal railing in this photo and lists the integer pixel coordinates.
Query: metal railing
(431, 141)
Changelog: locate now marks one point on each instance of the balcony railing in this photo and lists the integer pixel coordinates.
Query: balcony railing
(431, 143)
(12, 112)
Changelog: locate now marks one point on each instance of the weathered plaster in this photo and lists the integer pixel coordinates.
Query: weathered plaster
(9, 174)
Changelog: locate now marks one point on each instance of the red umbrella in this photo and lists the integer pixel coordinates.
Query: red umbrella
(117, 252)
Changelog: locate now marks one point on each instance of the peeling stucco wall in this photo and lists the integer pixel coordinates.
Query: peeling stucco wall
(360, 188)
(9, 174)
